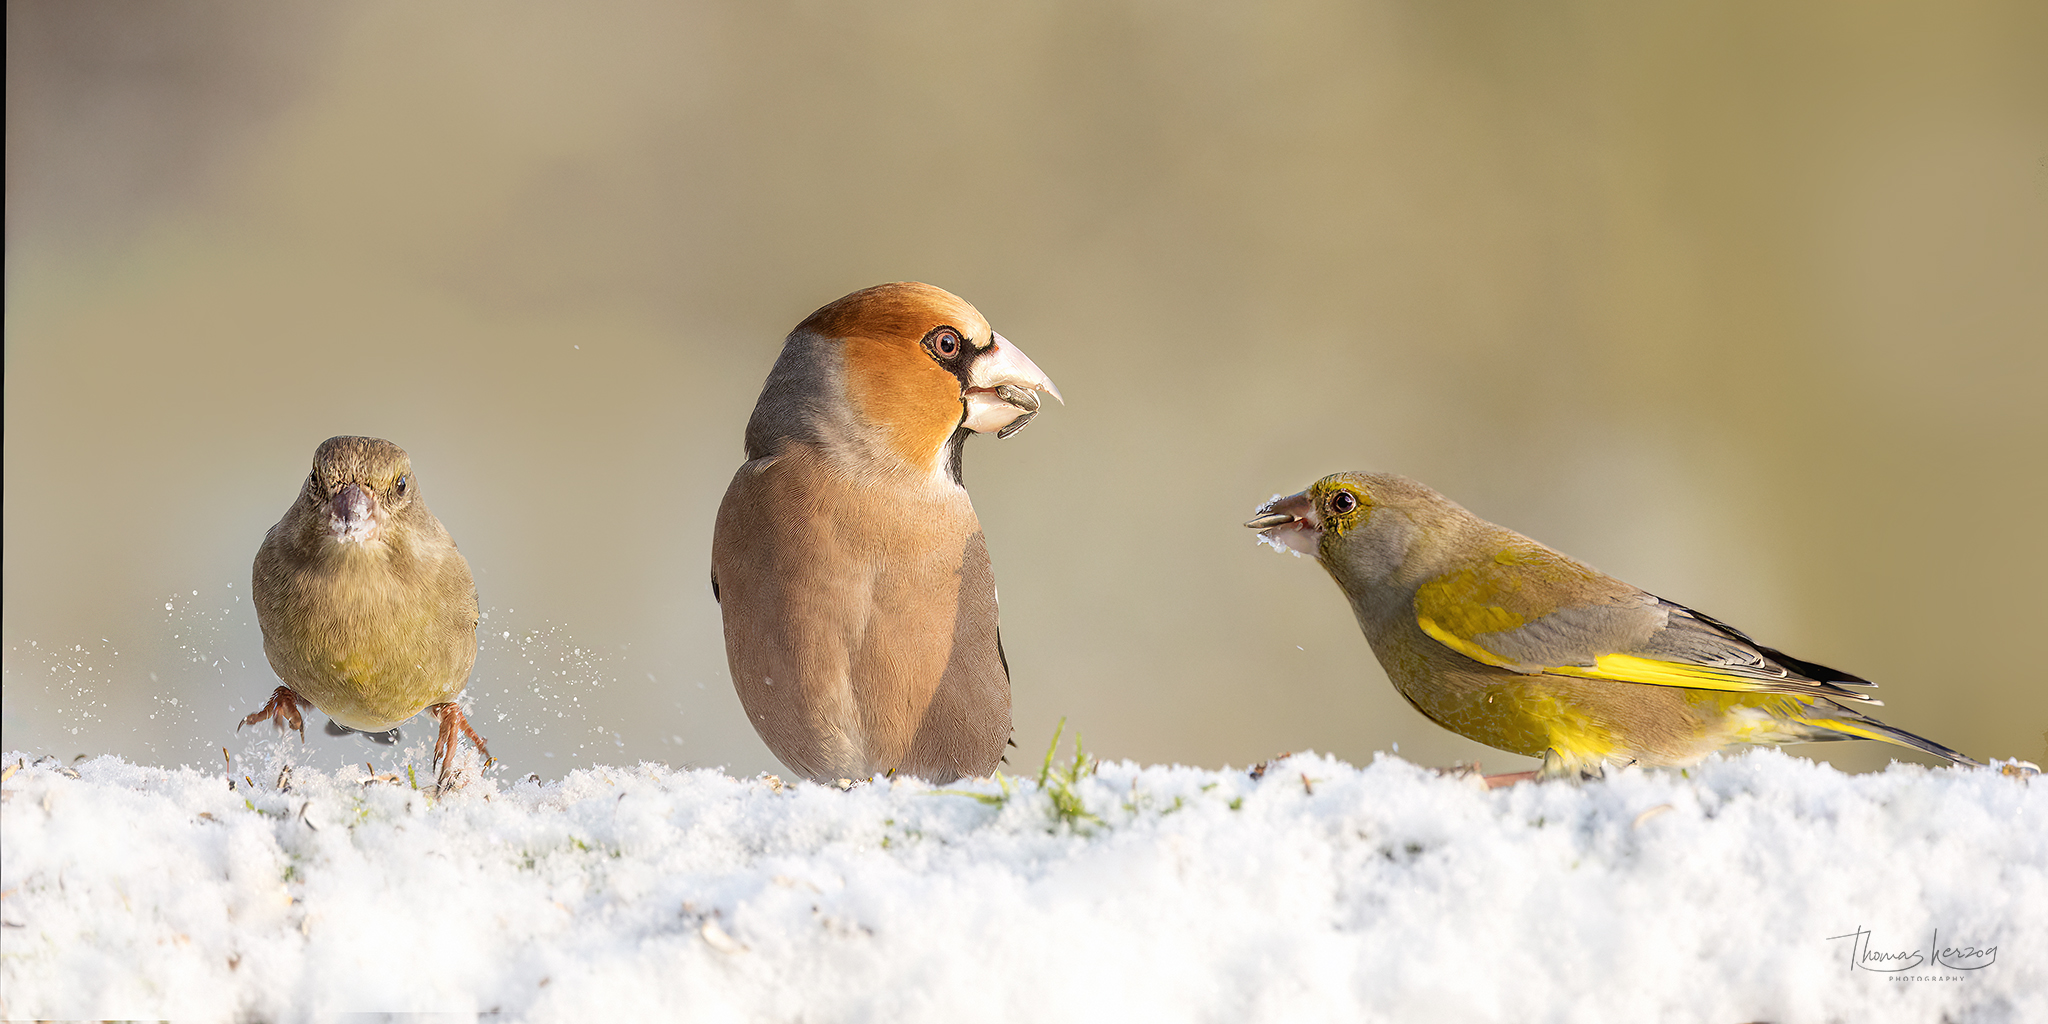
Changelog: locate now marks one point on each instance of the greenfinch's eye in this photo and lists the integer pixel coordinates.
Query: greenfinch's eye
(1343, 502)
(401, 485)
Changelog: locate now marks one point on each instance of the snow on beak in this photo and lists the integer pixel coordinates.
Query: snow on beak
(1002, 389)
(352, 515)
(1289, 524)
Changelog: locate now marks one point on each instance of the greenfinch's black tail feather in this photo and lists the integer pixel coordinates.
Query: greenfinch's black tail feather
(1849, 725)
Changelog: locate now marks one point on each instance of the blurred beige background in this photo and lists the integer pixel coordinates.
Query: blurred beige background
(1747, 305)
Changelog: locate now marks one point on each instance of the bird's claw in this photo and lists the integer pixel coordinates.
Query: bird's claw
(1472, 770)
(454, 725)
(284, 708)
(1258, 771)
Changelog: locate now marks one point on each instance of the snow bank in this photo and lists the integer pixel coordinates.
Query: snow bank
(1319, 891)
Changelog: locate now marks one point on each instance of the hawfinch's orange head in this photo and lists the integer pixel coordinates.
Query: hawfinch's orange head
(898, 372)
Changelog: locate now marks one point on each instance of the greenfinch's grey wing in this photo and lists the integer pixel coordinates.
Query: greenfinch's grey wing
(1699, 652)
(1695, 638)
(1533, 611)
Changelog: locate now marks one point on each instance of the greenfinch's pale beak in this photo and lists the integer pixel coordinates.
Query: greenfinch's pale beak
(1002, 387)
(1289, 524)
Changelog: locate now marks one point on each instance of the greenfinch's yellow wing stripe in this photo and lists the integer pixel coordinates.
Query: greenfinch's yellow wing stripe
(1628, 668)
(1468, 648)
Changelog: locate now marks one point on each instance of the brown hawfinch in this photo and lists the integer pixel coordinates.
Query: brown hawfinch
(859, 606)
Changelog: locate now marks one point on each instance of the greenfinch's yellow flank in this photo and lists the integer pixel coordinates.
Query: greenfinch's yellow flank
(368, 612)
(1507, 642)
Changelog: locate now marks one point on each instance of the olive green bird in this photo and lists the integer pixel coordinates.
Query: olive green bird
(368, 612)
(1505, 641)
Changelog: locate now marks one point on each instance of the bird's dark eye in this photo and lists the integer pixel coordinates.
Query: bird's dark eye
(401, 484)
(1343, 502)
(945, 343)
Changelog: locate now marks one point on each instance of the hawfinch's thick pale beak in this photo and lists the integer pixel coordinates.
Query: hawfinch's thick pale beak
(1002, 386)
(1290, 524)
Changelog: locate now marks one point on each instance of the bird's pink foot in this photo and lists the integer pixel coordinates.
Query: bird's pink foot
(452, 719)
(1472, 770)
(285, 707)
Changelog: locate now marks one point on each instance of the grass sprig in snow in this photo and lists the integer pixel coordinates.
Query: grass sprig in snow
(1056, 781)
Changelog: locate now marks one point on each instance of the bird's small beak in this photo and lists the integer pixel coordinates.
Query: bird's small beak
(1002, 388)
(1289, 524)
(352, 515)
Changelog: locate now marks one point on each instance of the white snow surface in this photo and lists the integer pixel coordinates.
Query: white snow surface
(1318, 892)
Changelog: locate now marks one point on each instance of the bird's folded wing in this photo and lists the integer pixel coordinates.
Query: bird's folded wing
(1615, 633)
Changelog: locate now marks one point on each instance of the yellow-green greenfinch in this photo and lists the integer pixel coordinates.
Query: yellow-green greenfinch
(1505, 641)
(849, 566)
(368, 612)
